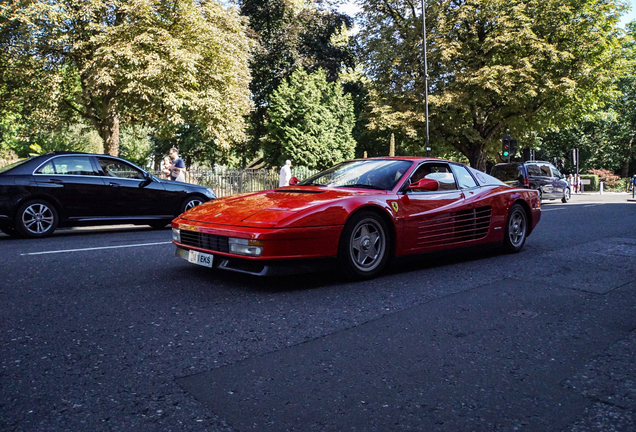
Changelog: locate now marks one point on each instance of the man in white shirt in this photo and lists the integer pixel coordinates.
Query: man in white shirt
(285, 174)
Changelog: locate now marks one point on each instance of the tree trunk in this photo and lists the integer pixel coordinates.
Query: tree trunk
(477, 157)
(109, 131)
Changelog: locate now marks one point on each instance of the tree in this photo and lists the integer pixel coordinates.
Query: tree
(157, 62)
(495, 66)
(290, 34)
(310, 122)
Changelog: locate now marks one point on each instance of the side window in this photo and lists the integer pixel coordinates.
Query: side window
(545, 171)
(533, 170)
(556, 173)
(464, 179)
(68, 165)
(115, 168)
(436, 171)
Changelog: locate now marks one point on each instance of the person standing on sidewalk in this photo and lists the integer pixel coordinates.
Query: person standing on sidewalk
(285, 174)
(177, 170)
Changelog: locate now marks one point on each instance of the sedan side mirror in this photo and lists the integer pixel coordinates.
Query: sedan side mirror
(293, 181)
(425, 184)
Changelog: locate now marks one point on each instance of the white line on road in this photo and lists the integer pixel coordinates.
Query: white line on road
(552, 209)
(95, 248)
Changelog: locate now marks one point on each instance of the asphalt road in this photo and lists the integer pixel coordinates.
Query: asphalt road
(104, 329)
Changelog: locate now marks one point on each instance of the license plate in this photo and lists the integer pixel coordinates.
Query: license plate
(200, 258)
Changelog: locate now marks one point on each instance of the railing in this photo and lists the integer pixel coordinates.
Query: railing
(225, 183)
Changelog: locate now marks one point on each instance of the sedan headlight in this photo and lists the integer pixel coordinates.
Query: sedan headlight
(176, 235)
(246, 247)
(209, 193)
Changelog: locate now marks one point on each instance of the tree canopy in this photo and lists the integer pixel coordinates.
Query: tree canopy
(155, 62)
(310, 122)
(495, 66)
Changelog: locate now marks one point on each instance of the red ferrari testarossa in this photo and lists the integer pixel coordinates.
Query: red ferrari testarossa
(362, 212)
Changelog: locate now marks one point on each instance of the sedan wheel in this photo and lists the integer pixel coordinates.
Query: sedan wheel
(36, 219)
(516, 229)
(364, 250)
(191, 203)
(566, 195)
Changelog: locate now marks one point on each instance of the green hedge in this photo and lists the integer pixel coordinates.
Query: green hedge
(594, 182)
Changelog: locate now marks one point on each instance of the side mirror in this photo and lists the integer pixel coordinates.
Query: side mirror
(293, 181)
(425, 184)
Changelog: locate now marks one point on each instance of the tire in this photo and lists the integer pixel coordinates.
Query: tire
(36, 219)
(516, 229)
(191, 202)
(364, 246)
(566, 195)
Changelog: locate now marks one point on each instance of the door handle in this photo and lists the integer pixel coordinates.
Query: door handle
(113, 184)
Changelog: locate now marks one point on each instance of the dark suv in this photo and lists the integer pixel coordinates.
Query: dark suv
(542, 176)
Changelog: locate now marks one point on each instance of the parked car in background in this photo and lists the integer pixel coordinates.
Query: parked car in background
(63, 189)
(361, 213)
(540, 176)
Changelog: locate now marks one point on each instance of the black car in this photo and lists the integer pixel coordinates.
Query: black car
(538, 175)
(78, 189)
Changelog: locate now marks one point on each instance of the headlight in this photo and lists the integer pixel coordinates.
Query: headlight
(209, 193)
(246, 247)
(176, 235)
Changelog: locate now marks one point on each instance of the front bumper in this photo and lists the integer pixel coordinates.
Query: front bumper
(263, 267)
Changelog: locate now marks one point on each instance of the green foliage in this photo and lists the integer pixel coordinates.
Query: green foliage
(494, 66)
(156, 62)
(594, 182)
(136, 144)
(309, 122)
(291, 34)
(77, 137)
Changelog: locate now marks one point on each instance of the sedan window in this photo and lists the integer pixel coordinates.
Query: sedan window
(115, 168)
(68, 165)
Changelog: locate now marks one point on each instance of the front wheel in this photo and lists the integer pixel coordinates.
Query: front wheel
(516, 229)
(36, 218)
(190, 203)
(566, 195)
(364, 246)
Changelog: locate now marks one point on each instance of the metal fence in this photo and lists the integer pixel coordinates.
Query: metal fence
(230, 182)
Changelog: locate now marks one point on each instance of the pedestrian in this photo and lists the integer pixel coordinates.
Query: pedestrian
(578, 184)
(177, 169)
(632, 185)
(167, 164)
(285, 174)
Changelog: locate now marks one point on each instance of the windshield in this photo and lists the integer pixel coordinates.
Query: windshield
(13, 165)
(381, 174)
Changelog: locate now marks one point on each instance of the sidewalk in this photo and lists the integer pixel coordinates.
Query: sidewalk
(595, 198)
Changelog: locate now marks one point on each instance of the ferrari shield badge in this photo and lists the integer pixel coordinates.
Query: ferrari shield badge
(395, 206)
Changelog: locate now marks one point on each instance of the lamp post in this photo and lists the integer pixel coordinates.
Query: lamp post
(428, 146)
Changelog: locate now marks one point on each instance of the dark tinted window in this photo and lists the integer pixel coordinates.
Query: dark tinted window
(507, 172)
(534, 170)
(545, 171)
(68, 165)
(115, 168)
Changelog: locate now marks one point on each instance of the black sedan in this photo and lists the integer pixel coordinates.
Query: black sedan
(63, 189)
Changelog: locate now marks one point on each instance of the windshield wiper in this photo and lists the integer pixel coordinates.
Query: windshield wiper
(362, 186)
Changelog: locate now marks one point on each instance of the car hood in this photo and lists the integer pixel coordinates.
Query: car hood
(266, 209)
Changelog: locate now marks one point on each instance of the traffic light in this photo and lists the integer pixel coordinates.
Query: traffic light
(513, 147)
(505, 146)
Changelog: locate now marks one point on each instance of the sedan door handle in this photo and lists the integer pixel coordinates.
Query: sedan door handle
(113, 184)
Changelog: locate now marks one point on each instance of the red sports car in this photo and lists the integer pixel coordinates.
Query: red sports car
(361, 212)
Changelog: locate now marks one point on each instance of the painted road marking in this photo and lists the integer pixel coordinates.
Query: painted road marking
(95, 248)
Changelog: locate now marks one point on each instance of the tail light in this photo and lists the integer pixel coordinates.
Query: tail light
(526, 182)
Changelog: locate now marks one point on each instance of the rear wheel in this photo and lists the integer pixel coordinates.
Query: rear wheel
(36, 218)
(364, 246)
(566, 195)
(516, 229)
